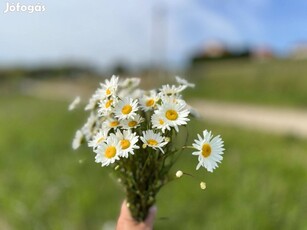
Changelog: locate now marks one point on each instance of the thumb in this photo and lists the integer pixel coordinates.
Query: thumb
(151, 217)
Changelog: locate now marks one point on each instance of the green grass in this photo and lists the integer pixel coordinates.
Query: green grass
(261, 183)
(274, 82)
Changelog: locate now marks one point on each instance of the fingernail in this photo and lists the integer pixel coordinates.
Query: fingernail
(153, 209)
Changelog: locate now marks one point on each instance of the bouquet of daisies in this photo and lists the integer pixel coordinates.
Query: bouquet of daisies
(134, 132)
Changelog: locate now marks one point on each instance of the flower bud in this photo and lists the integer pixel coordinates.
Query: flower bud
(179, 174)
(203, 185)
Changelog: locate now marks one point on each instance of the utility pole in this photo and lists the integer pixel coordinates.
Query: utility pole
(159, 39)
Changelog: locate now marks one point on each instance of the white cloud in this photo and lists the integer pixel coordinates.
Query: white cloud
(104, 32)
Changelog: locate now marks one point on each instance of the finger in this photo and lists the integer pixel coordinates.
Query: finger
(151, 216)
(125, 212)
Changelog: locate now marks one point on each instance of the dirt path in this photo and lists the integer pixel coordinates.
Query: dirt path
(273, 120)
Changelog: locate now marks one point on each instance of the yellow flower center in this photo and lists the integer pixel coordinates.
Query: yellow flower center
(150, 102)
(110, 152)
(161, 121)
(131, 124)
(126, 109)
(152, 142)
(125, 143)
(108, 91)
(108, 103)
(171, 115)
(206, 150)
(114, 123)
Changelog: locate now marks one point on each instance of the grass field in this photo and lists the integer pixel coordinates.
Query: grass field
(261, 183)
(272, 82)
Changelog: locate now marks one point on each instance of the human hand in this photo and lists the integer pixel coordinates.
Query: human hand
(126, 221)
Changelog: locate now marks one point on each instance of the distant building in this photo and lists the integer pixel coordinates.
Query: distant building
(262, 53)
(215, 50)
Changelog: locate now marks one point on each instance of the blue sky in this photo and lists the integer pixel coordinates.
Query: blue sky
(101, 32)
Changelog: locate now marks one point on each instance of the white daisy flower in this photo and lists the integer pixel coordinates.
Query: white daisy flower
(130, 82)
(149, 102)
(128, 142)
(173, 115)
(132, 122)
(100, 137)
(184, 82)
(137, 93)
(108, 88)
(110, 123)
(209, 152)
(106, 106)
(74, 103)
(160, 122)
(174, 99)
(90, 127)
(92, 102)
(99, 95)
(168, 90)
(122, 93)
(126, 108)
(77, 139)
(153, 140)
(108, 152)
